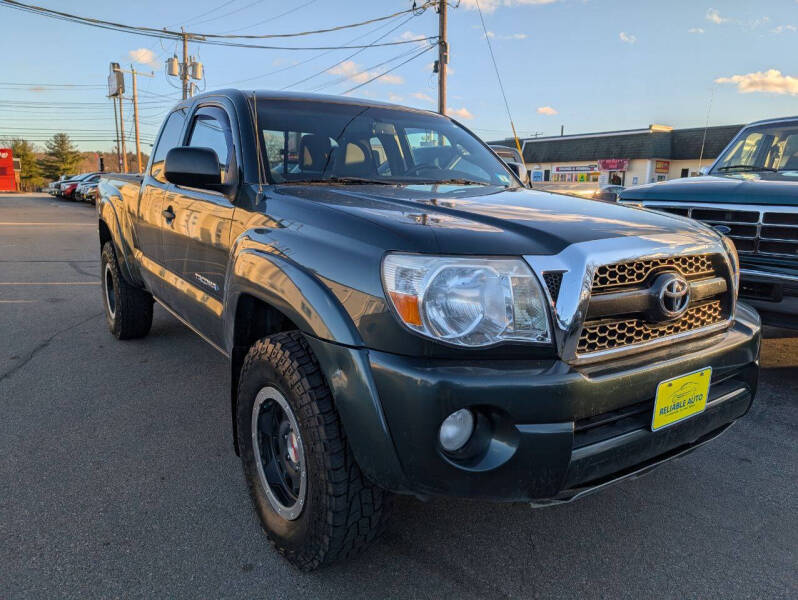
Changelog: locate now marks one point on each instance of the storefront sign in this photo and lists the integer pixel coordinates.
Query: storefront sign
(662, 166)
(613, 164)
(576, 169)
(537, 176)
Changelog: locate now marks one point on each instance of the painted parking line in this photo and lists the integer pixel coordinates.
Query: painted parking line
(49, 283)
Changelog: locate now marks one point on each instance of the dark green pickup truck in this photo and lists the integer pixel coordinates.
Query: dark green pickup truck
(749, 194)
(401, 315)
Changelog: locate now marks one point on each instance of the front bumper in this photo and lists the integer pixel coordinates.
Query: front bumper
(773, 292)
(556, 431)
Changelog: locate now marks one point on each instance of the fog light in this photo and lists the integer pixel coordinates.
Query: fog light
(456, 430)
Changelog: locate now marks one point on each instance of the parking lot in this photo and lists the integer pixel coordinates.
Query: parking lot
(118, 477)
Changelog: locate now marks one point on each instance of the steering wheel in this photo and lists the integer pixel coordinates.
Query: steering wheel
(416, 168)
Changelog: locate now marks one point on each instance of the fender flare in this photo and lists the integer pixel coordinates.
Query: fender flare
(106, 211)
(335, 341)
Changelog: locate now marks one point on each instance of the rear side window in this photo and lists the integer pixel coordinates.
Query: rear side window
(170, 137)
(211, 129)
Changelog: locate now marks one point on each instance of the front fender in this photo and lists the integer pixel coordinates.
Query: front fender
(285, 286)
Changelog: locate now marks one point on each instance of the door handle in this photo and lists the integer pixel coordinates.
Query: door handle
(168, 214)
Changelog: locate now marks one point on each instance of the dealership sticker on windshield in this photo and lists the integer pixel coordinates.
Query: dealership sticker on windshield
(680, 398)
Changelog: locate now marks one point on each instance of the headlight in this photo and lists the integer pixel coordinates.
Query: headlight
(734, 259)
(467, 301)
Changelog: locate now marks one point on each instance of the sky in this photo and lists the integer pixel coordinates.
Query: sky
(587, 65)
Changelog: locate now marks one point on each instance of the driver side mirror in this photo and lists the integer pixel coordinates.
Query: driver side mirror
(520, 171)
(193, 167)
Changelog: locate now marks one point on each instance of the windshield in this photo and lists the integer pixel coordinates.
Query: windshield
(306, 141)
(766, 148)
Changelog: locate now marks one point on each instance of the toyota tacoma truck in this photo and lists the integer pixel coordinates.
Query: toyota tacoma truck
(402, 316)
(750, 194)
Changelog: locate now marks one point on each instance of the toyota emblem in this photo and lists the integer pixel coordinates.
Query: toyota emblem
(672, 294)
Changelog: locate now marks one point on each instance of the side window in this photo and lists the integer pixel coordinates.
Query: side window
(211, 129)
(170, 137)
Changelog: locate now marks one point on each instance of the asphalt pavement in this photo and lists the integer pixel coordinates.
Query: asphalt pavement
(118, 477)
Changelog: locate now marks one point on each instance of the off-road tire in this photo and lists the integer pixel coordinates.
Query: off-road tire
(343, 512)
(131, 316)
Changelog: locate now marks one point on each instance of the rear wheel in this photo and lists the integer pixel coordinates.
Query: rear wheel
(128, 309)
(313, 501)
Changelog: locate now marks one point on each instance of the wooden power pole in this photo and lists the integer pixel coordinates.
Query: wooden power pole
(133, 74)
(443, 56)
(122, 136)
(184, 71)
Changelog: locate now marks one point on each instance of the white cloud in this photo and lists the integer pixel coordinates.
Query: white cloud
(489, 6)
(698, 30)
(411, 36)
(422, 96)
(783, 28)
(460, 113)
(144, 56)
(351, 71)
(713, 16)
(395, 98)
(627, 38)
(512, 36)
(771, 81)
(547, 110)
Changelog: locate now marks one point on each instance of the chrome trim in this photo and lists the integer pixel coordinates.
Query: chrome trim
(765, 274)
(578, 263)
(758, 209)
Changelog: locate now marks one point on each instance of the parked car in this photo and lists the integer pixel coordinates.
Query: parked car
(85, 184)
(750, 193)
(68, 187)
(90, 192)
(54, 187)
(434, 328)
(608, 193)
(514, 160)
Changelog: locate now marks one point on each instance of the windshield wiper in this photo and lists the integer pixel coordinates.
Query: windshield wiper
(337, 179)
(747, 167)
(451, 182)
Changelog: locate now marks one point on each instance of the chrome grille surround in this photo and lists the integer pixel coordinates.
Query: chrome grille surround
(757, 230)
(579, 263)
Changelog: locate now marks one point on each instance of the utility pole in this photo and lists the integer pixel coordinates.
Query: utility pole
(122, 136)
(184, 71)
(443, 56)
(116, 132)
(133, 74)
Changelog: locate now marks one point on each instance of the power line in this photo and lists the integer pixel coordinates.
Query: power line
(274, 18)
(211, 38)
(427, 49)
(496, 68)
(350, 56)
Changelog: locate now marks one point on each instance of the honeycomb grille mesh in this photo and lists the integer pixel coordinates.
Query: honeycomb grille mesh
(600, 336)
(636, 272)
(553, 280)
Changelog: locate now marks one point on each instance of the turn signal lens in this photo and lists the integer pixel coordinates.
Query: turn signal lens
(407, 307)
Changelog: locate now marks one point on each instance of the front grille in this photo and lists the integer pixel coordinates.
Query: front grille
(636, 272)
(754, 231)
(612, 334)
(553, 280)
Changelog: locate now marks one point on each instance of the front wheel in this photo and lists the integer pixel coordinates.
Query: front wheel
(312, 499)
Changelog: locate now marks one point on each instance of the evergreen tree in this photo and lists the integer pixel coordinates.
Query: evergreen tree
(62, 157)
(31, 175)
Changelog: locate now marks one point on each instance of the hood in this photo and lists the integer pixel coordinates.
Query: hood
(748, 189)
(486, 220)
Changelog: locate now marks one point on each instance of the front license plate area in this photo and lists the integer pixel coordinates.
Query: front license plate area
(680, 398)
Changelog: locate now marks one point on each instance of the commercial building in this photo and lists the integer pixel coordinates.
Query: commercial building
(583, 163)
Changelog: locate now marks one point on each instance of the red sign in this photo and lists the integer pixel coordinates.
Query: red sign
(662, 166)
(613, 164)
(8, 182)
